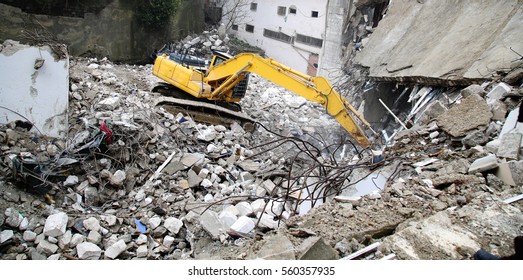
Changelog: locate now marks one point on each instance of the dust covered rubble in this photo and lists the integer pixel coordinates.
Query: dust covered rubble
(136, 182)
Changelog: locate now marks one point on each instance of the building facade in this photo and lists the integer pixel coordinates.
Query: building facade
(290, 31)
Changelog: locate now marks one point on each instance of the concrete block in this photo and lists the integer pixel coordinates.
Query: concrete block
(244, 224)
(154, 222)
(116, 249)
(6, 235)
(88, 251)
(277, 247)
(142, 251)
(94, 237)
(244, 208)
(168, 241)
(228, 218)
(76, 239)
(65, 240)
(173, 225)
(212, 224)
(498, 109)
(314, 248)
(269, 186)
(258, 206)
(473, 89)
(509, 146)
(510, 122)
(493, 146)
(191, 159)
(483, 164)
(475, 138)
(46, 248)
(13, 218)
(267, 221)
(516, 170)
(29, 236)
(498, 91)
(56, 224)
(504, 173)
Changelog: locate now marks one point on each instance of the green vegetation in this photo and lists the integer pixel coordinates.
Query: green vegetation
(155, 14)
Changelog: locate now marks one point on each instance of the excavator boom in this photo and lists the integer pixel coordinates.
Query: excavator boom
(219, 81)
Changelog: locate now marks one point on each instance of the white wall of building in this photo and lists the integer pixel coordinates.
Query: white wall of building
(295, 55)
(39, 95)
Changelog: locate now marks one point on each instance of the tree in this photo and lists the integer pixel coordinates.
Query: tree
(234, 12)
(155, 14)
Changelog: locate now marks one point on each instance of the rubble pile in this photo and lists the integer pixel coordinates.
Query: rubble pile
(202, 46)
(133, 181)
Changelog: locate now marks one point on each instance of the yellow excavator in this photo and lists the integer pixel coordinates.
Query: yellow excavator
(224, 80)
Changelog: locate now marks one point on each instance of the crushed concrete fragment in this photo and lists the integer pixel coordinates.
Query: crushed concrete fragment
(471, 113)
(277, 247)
(509, 146)
(88, 251)
(56, 224)
(212, 224)
(314, 248)
(115, 250)
(173, 225)
(244, 225)
(483, 164)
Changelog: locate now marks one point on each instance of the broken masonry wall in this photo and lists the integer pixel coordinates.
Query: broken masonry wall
(329, 65)
(38, 92)
(445, 43)
(113, 32)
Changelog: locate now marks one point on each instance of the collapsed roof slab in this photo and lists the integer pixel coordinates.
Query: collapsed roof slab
(443, 42)
(34, 86)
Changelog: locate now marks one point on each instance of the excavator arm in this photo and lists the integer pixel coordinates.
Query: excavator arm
(218, 82)
(316, 89)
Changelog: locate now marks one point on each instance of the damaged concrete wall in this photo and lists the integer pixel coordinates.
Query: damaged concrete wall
(113, 32)
(332, 51)
(34, 83)
(444, 42)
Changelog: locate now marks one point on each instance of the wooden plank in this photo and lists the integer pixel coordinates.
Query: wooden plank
(365, 250)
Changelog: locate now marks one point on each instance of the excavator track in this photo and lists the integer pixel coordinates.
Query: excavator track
(201, 110)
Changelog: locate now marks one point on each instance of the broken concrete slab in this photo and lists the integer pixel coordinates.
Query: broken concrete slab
(277, 247)
(6, 235)
(488, 162)
(408, 46)
(212, 224)
(473, 89)
(174, 166)
(472, 113)
(509, 146)
(516, 170)
(504, 173)
(498, 91)
(510, 122)
(39, 93)
(315, 248)
(191, 159)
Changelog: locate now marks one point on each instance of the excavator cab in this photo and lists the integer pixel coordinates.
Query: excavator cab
(239, 90)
